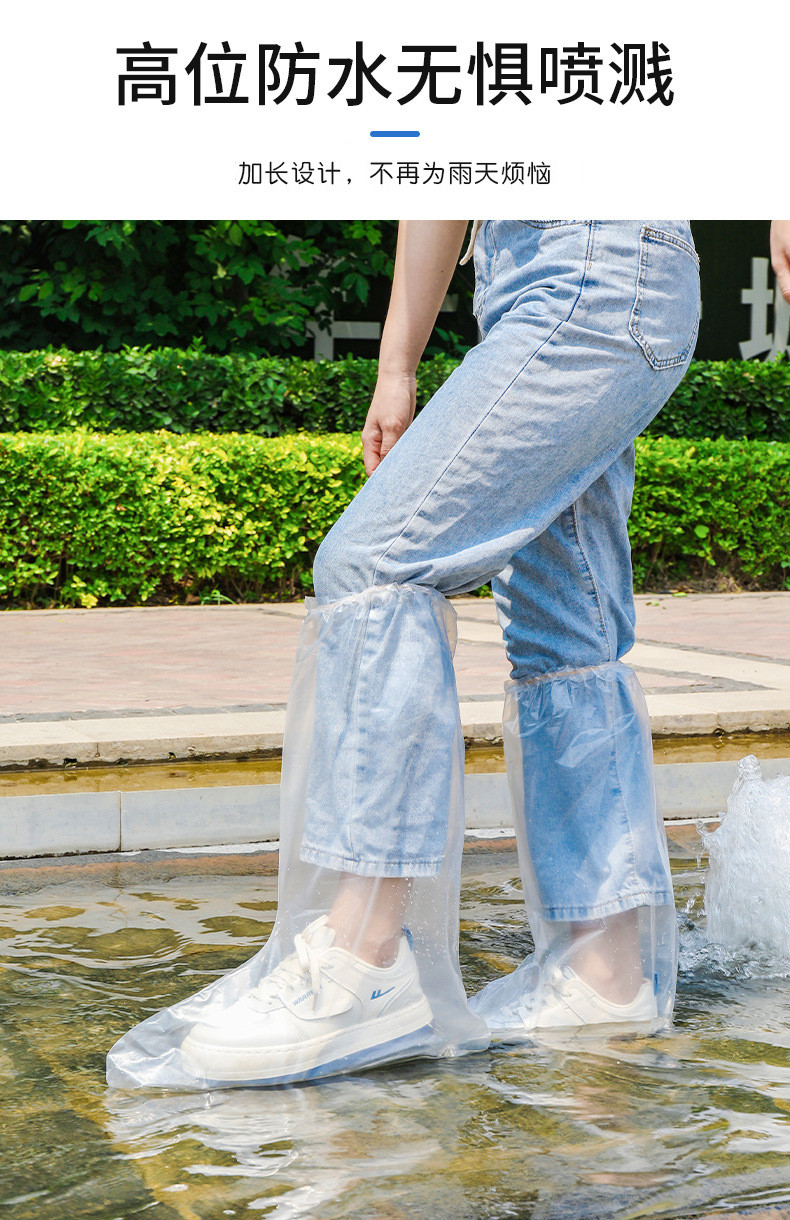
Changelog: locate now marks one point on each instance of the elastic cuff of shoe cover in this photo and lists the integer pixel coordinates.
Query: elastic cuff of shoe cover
(580, 672)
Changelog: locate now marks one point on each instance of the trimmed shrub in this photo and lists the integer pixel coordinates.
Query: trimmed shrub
(89, 519)
(140, 389)
(732, 399)
(711, 506)
(129, 518)
(143, 389)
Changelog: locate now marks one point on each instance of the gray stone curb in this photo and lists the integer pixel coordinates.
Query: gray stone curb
(54, 743)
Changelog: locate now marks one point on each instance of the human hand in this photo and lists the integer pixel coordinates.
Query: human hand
(780, 255)
(390, 413)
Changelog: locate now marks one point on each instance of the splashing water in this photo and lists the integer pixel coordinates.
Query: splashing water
(747, 889)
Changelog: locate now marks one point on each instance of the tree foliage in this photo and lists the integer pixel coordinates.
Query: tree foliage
(241, 285)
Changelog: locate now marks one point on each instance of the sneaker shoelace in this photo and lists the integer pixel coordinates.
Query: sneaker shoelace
(551, 986)
(294, 971)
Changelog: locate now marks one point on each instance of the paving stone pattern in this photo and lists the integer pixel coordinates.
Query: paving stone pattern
(147, 683)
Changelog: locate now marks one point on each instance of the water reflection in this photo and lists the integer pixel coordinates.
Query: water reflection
(674, 1126)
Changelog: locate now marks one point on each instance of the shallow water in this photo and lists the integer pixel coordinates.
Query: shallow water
(680, 1125)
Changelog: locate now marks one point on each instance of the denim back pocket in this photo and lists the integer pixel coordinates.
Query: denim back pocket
(665, 316)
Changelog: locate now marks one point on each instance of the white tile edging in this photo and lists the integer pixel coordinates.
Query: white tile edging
(173, 818)
(55, 825)
(207, 817)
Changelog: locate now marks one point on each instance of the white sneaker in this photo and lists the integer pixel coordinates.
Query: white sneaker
(322, 1009)
(566, 1001)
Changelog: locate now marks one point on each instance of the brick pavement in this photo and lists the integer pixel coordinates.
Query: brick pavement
(194, 681)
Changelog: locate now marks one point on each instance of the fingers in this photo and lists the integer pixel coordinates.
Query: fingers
(780, 255)
(783, 277)
(389, 415)
(390, 433)
(377, 440)
(371, 447)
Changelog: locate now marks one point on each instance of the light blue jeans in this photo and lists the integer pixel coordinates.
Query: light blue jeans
(519, 470)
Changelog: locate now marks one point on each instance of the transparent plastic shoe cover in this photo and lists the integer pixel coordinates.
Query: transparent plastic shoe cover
(747, 887)
(593, 860)
(362, 964)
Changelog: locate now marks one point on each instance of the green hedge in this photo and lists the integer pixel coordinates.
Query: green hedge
(89, 519)
(732, 399)
(139, 389)
(711, 507)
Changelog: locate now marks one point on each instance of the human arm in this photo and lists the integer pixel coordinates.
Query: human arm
(426, 256)
(780, 254)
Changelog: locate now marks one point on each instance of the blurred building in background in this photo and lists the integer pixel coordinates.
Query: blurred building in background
(744, 316)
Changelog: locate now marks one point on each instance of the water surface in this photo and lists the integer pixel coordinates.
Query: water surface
(691, 1122)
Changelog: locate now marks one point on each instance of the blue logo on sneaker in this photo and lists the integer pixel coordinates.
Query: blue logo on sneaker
(378, 994)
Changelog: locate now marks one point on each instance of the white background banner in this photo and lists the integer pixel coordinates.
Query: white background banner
(573, 127)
